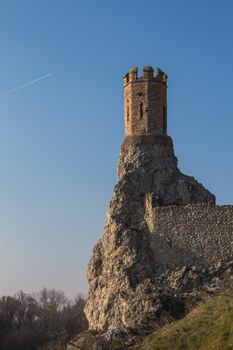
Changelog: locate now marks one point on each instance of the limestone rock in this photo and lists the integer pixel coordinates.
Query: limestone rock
(123, 272)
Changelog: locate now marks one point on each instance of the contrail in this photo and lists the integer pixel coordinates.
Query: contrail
(26, 84)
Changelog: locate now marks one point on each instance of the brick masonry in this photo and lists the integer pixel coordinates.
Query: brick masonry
(145, 102)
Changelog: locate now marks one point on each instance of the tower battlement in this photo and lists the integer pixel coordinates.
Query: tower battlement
(145, 102)
(148, 73)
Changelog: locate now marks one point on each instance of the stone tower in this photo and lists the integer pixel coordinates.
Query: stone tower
(145, 102)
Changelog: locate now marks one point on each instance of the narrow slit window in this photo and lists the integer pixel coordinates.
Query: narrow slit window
(127, 113)
(164, 119)
(141, 110)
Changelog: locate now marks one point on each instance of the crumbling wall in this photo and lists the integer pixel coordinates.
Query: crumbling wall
(199, 234)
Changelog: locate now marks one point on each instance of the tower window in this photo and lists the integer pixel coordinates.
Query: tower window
(141, 110)
(127, 112)
(164, 119)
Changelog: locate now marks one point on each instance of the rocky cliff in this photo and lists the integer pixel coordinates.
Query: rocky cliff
(164, 241)
(123, 263)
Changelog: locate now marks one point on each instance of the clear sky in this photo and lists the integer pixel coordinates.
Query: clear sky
(60, 136)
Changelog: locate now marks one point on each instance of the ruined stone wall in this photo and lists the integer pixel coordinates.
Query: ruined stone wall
(197, 234)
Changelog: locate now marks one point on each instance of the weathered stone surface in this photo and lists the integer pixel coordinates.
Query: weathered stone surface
(149, 165)
(174, 294)
(124, 272)
(196, 234)
(90, 340)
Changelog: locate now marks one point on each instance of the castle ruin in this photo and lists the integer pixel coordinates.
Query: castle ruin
(164, 237)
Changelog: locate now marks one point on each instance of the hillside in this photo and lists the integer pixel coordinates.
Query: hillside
(207, 327)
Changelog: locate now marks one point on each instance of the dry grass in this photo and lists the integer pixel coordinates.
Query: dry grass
(207, 327)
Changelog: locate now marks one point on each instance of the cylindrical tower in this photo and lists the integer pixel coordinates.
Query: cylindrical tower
(145, 102)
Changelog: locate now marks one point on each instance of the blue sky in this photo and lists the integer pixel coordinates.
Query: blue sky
(60, 137)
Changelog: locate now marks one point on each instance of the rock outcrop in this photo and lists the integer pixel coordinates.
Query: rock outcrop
(123, 272)
(171, 296)
(165, 245)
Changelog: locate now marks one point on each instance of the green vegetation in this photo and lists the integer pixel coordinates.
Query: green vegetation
(208, 327)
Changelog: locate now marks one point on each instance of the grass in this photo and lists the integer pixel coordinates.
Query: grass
(207, 327)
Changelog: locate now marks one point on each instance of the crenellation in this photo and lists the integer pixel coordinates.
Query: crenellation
(148, 72)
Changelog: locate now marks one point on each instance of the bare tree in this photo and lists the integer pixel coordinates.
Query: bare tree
(42, 321)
